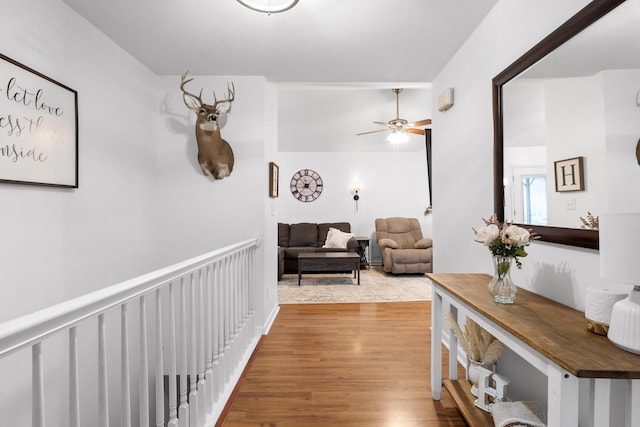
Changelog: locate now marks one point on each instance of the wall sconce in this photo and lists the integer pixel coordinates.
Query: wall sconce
(355, 188)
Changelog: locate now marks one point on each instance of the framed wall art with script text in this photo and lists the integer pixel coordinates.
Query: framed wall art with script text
(38, 128)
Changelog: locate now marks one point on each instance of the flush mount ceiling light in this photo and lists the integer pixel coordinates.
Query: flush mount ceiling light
(269, 6)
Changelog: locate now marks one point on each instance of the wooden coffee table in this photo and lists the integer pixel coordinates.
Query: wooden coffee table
(329, 262)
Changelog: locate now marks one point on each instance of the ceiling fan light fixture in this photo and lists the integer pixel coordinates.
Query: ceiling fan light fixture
(400, 128)
(398, 137)
(268, 6)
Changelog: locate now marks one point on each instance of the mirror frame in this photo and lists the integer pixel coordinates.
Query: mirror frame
(581, 20)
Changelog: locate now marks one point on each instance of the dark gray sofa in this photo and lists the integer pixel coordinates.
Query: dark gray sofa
(306, 237)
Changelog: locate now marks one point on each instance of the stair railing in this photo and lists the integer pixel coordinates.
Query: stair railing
(181, 353)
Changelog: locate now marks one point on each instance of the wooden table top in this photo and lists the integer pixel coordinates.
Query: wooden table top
(552, 329)
(333, 255)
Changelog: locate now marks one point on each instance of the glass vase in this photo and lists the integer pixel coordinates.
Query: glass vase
(501, 287)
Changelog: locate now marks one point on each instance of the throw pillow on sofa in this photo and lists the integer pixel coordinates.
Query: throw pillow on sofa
(337, 239)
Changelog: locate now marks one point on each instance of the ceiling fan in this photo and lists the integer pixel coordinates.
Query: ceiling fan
(398, 126)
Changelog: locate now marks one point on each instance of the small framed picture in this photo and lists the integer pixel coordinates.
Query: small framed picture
(274, 173)
(569, 174)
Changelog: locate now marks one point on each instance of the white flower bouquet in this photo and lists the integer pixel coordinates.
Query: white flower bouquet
(504, 239)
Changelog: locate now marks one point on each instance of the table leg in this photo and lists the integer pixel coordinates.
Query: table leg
(436, 344)
(362, 251)
(562, 392)
(299, 272)
(602, 407)
(358, 271)
(633, 403)
(453, 347)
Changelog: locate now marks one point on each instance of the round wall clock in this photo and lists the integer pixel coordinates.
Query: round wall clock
(306, 185)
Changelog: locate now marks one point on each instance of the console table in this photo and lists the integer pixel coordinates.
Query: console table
(550, 336)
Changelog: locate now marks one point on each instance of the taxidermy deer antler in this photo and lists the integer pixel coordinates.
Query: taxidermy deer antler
(215, 155)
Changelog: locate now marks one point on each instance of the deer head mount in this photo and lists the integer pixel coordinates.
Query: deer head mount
(215, 155)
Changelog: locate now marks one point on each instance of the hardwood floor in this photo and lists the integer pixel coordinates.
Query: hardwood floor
(343, 365)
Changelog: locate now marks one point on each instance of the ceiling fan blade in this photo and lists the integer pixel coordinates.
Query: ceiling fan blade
(421, 123)
(416, 131)
(382, 123)
(373, 131)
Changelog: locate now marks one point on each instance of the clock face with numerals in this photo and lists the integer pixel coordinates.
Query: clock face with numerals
(306, 185)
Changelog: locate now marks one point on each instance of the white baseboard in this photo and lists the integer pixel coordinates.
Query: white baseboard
(271, 319)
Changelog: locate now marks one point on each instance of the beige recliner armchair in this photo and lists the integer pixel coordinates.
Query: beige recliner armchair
(403, 248)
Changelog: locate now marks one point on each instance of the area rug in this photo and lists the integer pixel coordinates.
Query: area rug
(375, 286)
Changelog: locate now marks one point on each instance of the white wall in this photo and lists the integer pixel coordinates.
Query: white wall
(524, 141)
(328, 118)
(524, 113)
(270, 229)
(575, 128)
(60, 243)
(622, 121)
(463, 170)
(195, 214)
(317, 129)
(565, 115)
(392, 184)
(141, 202)
(465, 194)
(590, 116)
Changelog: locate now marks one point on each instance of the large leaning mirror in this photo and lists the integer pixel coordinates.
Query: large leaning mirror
(560, 111)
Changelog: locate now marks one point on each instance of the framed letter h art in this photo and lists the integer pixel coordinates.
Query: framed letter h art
(569, 174)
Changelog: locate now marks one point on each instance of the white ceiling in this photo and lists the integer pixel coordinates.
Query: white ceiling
(325, 117)
(316, 41)
(335, 61)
